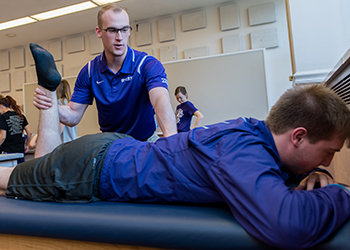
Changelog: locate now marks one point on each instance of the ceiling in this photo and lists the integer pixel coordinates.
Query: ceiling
(80, 22)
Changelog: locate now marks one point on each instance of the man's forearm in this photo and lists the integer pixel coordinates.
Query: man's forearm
(166, 117)
(166, 122)
(68, 116)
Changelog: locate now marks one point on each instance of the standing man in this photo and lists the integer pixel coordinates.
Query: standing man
(128, 86)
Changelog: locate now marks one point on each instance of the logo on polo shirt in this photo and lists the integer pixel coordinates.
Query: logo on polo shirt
(98, 82)
(128, 79)
(164, 80)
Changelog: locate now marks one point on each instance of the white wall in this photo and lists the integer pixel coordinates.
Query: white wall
(278, 59)
(320, 32)
(321, 36)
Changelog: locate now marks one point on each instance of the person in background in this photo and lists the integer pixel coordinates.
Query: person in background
(12, 125)
(185, 111)
(129, 86)
(63, 94)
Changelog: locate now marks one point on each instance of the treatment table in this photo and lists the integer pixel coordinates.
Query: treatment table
(113, 225)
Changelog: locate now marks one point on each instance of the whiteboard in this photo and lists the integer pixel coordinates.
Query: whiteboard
(87, 125)
(224, 86)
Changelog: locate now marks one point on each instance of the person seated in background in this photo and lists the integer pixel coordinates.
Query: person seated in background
(12, 124)
(244, 163)
(185, 111)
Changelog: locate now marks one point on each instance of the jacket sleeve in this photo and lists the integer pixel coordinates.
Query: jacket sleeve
(251, 182)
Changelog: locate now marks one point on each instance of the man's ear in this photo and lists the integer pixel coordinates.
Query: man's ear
(298, 136)
(98, 32)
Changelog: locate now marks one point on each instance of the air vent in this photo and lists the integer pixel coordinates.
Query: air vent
(342, 88)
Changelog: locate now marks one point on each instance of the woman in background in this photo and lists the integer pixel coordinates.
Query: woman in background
(63, 94)
(12, 125)
(185, 111)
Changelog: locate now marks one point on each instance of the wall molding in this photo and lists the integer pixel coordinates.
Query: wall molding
(312, 76)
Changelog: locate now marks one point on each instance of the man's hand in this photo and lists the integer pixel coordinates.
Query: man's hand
(316, 177)
(40, 100)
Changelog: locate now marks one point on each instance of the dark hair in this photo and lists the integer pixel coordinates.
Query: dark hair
(114, 6)
(318, 109)
(9, 102)
(63, 90)
(181, 89)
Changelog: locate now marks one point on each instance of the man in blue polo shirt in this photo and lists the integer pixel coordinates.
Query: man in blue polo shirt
(128, 86)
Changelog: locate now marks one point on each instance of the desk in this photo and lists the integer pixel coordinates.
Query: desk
(10, 160)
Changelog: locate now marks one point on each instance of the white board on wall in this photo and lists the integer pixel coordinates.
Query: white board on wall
(224, 86)
(87, 125)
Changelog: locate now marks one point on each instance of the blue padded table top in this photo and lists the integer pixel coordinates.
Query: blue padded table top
(150, 225)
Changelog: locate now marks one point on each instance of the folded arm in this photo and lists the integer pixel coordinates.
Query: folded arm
(253, 185)
(314, 178)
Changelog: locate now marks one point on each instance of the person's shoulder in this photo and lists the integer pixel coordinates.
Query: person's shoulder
(137, 53)
(6, 115)
(141, 55)
(188, 103)
(179, 106)
(98, 58)
(94, 62)
(89, 68)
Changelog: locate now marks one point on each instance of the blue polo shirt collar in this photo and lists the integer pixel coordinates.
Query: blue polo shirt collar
(128, 65)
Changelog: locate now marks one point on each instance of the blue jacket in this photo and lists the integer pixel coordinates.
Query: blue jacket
(235, 162)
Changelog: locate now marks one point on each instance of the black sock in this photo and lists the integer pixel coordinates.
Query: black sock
(46, 70)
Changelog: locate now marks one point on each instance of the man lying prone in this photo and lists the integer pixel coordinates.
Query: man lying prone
(244, 163)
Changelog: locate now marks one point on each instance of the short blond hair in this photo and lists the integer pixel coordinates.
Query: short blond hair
(112, 6)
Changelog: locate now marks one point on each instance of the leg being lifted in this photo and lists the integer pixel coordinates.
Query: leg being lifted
(48, 79)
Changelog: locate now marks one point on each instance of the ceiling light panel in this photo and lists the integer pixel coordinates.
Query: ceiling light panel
(16, 22)
(64, 11)
(102, 2)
